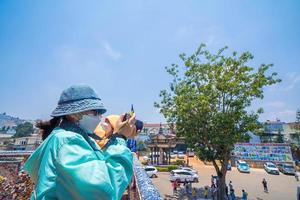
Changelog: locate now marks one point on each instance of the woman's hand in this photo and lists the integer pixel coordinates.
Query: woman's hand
(126, 127)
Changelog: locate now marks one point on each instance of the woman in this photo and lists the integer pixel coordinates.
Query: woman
(69, 164)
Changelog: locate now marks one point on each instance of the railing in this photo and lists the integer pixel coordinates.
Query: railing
(15, 153)
(144, 189)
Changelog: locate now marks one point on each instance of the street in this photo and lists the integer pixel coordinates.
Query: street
(281, 187)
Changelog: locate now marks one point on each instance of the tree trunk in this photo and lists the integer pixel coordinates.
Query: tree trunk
(221, 184)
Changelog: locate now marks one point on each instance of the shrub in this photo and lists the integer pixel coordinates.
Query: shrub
(178, 162)
(162, 169)
(172, 167)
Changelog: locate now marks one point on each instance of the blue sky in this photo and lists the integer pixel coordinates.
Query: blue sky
(120, 48)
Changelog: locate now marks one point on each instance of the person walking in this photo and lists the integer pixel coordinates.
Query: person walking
(230, 186)
(232, 194)
(174, 185)
(194, 194)
(265, 185)
(297, 175)
(186, 186)
(212, 181)
(244, 195)
(214, 193)
(205, 192)
(69, 164)
(226, 191)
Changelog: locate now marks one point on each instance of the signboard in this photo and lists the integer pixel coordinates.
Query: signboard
(274, 152)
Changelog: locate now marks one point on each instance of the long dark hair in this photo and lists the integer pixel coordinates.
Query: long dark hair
(48, 126)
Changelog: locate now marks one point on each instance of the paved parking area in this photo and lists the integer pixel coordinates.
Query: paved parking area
(281, 187)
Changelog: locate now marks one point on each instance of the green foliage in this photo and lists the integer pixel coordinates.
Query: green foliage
(172, 167)
(162, 169)
(178, 162)
(167, 168)
(24, 129)
(209, 99)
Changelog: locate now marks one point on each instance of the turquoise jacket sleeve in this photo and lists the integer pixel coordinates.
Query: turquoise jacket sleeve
(83, 176)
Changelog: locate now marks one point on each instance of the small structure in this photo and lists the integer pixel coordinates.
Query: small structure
(160, 147)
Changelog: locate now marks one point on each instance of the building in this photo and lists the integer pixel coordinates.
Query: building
(272, 130)
(153, 129)
(27, 143)
(292, 133)
(5, 141)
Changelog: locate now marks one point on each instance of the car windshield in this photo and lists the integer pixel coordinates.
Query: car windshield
(271, 166)
(243, 165)
(289, 166)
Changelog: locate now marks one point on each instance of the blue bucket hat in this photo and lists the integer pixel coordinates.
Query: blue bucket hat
(76, 99)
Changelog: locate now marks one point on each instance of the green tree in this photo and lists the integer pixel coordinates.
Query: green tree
(24, 129)
(208, 101)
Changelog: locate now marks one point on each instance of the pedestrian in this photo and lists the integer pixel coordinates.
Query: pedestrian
(232, 194)
(69, 164)
(214, 193)
(194, 194)
(186, 186)
(226, 191)
(265, 185)
(230, 186)
(244, 195)
(205, 192)
(212, 181)
(174, 185)
(297, 175)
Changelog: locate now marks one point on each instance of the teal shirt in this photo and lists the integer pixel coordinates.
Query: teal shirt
(66, 167)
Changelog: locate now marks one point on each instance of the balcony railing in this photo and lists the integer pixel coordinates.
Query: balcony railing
(143, 188)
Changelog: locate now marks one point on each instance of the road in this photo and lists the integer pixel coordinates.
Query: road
(281, 187)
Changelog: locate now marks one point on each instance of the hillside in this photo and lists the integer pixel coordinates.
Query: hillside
(7, 120)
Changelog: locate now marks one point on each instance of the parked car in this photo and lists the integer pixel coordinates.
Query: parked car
(189, 170)
(151, 171)
(190, 152)
(242, 166)
(181, 155)
(181, 175)
(287, 168)
(271, 168)
(229, 167)
(173, 155)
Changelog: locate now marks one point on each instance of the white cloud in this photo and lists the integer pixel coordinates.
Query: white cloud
(112, 53)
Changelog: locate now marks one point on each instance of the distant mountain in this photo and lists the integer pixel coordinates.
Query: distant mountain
(9, 121)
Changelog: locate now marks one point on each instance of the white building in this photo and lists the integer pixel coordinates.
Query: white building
(27, 143)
